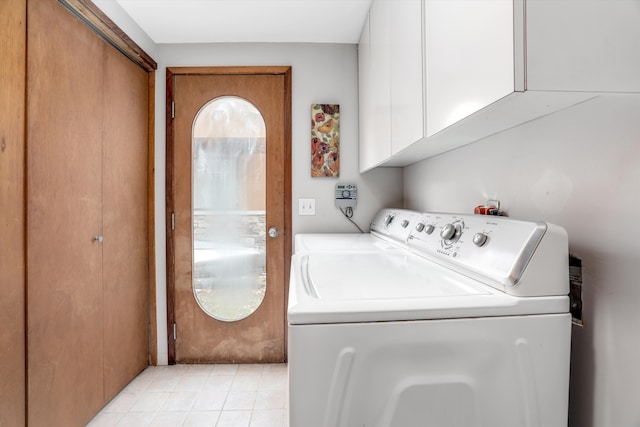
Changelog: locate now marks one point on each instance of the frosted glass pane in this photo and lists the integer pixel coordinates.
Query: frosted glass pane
(229, 202)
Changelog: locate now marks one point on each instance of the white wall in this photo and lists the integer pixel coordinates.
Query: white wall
(321, 73)
(579, 168)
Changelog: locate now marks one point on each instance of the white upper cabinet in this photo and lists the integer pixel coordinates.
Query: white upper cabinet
(390, 60)
(407, 84)
(374, 88)
(438, 74)
(367, 153)
(469, 58)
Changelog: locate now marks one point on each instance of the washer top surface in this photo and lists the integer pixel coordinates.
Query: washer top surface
(395, 286)
(390, 230)
(347, 242)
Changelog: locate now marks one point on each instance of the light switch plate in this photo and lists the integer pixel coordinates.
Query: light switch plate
(306, 206)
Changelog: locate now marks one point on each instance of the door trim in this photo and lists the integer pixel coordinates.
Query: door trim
(285, 71)
(102, 25)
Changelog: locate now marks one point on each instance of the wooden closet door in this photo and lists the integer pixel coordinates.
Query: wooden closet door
(12, 219)
(125, 257)
(64, 214)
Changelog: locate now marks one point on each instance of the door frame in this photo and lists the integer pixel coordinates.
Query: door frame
(284, 71)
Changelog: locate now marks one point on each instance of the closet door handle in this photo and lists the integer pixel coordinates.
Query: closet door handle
(98, 239)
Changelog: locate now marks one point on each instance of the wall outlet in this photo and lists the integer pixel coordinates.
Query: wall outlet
(306, 206)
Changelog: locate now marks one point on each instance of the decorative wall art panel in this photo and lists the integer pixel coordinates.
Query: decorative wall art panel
(325, 140)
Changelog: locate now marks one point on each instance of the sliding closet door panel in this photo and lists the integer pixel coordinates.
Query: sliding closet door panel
(12, 222)
(125, 257)
(64, 261)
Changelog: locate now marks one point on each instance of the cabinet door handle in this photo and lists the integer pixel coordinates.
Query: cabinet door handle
(98, 239)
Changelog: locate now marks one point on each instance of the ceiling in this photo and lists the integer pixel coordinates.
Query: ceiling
(267, 21)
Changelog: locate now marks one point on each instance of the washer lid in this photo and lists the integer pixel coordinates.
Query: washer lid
(396, 285)
(392, 275)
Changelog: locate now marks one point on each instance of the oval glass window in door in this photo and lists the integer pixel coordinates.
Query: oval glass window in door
(228, 208)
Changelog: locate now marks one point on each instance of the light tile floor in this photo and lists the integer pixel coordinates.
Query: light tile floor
(201, 396)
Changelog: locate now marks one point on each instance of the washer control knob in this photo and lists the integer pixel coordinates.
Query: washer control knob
(404, 223)
(448, 231)
(429, 228)
(419, 227)
(479, 239)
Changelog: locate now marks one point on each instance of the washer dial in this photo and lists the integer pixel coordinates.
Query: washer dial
(448, 231)
(479, 239)
(388, 220)
(451, 233)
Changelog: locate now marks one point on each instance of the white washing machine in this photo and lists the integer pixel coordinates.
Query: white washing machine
(463, 321)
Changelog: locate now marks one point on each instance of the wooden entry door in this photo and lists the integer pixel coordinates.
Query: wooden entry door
(197, 332)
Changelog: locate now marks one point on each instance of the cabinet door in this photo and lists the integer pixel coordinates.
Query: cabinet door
(391, 80)
(406, 55)
(379, 145)
(469, 58)
(366, 151)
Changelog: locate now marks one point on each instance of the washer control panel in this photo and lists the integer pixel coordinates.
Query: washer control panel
(521, 258)
(395, 224)
(495, 247)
